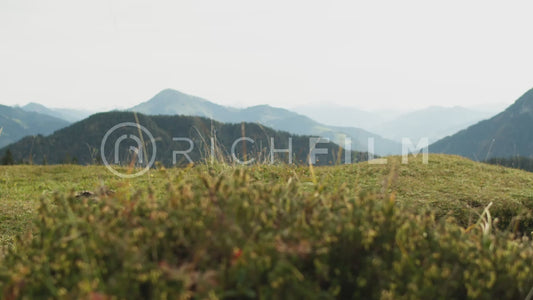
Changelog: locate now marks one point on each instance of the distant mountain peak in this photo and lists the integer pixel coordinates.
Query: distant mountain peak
(171, 96)
(524, 104)
(172, 102)
(505, 135)
(35, 104)
(67, 114)
(169, 91)
(37, 107)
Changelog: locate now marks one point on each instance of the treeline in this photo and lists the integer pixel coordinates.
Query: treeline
(7, 159)
(81, 143)
(517, 162)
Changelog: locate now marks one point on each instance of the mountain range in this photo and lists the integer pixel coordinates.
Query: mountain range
(505, 135)
(172, 102)
(345, 116)
(81, 141)
(434, 123)
(15, 123)
(508, 134)
(69, 115)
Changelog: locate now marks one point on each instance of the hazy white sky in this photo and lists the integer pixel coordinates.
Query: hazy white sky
(373, 54)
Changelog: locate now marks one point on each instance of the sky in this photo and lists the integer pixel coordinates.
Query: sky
(104, 54)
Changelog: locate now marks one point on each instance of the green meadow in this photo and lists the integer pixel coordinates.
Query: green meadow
(449, 229)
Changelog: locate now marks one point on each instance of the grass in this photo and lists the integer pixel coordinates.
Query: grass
(324, 214)
(451, 184)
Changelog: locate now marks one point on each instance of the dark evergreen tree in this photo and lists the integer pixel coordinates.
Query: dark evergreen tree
(7, 159)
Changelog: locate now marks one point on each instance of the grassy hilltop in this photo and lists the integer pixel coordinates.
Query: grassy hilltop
(362, 230)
